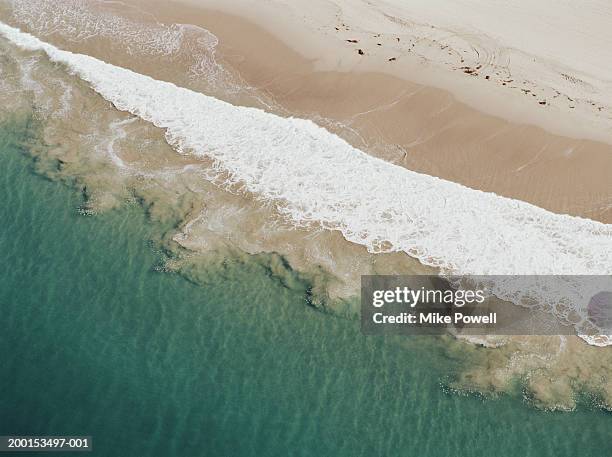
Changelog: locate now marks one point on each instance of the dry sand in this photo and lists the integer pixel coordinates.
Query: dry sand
(544, 64)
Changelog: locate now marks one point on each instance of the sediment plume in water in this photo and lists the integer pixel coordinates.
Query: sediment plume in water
(114, 156)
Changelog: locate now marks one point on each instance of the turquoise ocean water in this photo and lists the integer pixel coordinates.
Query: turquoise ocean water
(95, 341)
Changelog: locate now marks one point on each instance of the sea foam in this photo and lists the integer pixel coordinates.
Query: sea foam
(315, 178)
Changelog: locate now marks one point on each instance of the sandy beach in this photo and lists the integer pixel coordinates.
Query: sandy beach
(546, 159)
(418, 126)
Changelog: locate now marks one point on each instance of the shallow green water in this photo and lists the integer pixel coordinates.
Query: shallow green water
(94, 341)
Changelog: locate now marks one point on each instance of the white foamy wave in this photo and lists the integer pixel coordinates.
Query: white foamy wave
(316, 178)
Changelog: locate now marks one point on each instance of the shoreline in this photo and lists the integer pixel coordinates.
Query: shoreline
(421, 128)
(318, 253)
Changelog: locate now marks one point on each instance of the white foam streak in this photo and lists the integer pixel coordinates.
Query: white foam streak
(315, 177)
